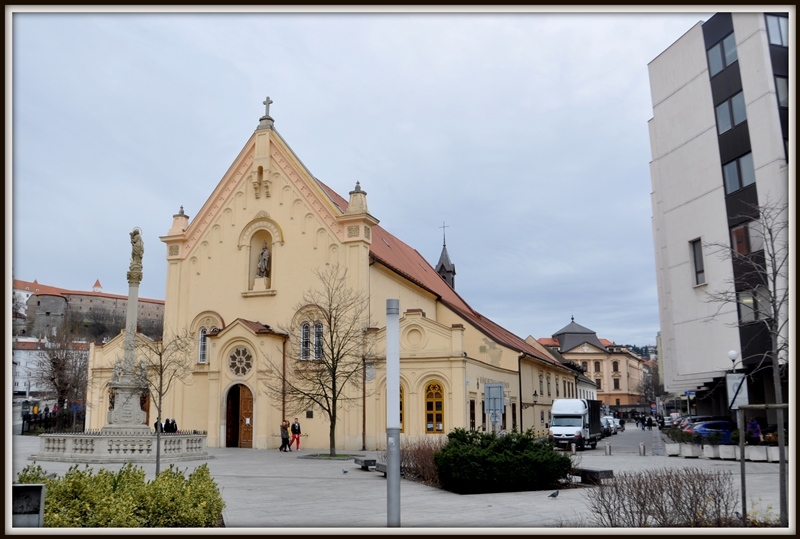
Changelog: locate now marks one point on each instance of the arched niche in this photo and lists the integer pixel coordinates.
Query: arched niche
(262, 232)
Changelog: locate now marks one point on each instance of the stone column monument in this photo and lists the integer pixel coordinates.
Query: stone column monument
(125, 414)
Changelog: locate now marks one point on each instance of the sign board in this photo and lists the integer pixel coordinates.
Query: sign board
(690, 394)
(493, 398)
(27, 506)
(737, 390)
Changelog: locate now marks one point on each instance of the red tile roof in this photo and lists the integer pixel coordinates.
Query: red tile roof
(45, 290)
(407, 262)
(552, 341)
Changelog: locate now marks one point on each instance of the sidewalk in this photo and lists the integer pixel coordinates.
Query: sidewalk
(270, 489)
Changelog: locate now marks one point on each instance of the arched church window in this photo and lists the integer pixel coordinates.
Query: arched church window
(240, 361)
(434, 408)
(305, 341)
(202, 346)
(318, 340)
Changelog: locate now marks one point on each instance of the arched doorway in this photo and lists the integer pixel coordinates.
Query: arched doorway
(239, 417)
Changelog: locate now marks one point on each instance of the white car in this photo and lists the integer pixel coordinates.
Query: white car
(620, 426)
(611, 423)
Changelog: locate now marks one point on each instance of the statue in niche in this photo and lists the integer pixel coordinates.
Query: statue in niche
(263, 262)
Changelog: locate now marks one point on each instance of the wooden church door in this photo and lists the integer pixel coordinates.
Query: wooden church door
(239, 417)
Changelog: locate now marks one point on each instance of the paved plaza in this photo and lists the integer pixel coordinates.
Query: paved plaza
(270, 489)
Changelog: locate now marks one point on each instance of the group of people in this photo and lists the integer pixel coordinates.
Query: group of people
(645, 422)
(286, 442)
(169, 426)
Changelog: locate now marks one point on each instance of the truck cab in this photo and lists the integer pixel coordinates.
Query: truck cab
(575, 421)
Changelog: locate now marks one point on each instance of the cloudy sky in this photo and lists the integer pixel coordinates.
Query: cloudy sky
(526, 133)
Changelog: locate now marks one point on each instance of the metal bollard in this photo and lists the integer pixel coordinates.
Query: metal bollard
(573, 449)
(608, 449)
(641, 449)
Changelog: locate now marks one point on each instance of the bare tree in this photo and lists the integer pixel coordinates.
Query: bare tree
(327, 346)
(650, 387)
(63, 368)
(162, 363)
(760, 292)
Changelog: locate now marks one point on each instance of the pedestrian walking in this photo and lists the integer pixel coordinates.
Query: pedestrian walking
(753, 432)
(158, 427)
(285, 436)
(295, 435)
(649, 422)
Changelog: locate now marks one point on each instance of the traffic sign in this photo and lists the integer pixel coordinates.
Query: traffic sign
(690, 393)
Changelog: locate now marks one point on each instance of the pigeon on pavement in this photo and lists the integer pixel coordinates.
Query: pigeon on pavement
(344, 471)
(553, 495)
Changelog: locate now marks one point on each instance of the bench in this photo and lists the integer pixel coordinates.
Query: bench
(592, 477)
(381, 467)
(365, 463)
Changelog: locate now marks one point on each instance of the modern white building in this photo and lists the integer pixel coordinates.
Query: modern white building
(719, 142)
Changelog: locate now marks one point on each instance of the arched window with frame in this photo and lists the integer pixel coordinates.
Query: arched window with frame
(596, 366)
(402, 399)
(615, 366)
(318, 340)
(202, 346)
(585, 366)
(434, 408)
(305, 341)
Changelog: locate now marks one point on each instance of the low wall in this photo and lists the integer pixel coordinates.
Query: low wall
(119, 447)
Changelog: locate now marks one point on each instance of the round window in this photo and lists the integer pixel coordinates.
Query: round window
(240, 361)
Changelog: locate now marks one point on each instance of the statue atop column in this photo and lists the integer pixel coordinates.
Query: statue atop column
(137, 252)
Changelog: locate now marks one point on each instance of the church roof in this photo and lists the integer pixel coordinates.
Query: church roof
(407, 262)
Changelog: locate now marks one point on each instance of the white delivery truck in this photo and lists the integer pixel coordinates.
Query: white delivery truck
(576, 421)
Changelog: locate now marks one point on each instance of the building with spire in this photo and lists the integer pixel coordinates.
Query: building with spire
(445, 268)
(237, 276)
(617, 372)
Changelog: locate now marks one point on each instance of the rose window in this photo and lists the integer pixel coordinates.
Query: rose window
(240, 361)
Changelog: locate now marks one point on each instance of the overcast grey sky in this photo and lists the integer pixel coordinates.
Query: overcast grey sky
(525, 132)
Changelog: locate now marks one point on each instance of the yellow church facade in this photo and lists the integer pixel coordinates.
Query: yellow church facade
(237, 274)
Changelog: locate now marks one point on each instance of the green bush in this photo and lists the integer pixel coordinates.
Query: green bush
(124, 499)
(473, 462)
(715, 438)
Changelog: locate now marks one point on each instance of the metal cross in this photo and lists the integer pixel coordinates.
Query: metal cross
(267, 103)
(444, 239)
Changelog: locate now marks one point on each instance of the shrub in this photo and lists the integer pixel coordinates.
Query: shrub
(735, 437)
(474, 462)
(123, 499)
(665, 498)
(416, 458)
(714, 438)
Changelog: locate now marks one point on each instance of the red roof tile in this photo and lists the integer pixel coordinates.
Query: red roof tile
(407, 262)
(45, 290)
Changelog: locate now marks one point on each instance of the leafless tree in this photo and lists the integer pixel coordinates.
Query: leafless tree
(760, 292)
(650, 387)
(62, 368)
(328, 341)
(162, 364)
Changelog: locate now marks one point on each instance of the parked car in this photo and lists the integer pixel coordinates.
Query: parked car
(706, 428)
(608, 426)
(691, 420)
(620, 425)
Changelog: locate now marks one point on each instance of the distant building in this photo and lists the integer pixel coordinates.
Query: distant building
(47, 305)
(719, 138)
(615, 370)
(27, 354)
